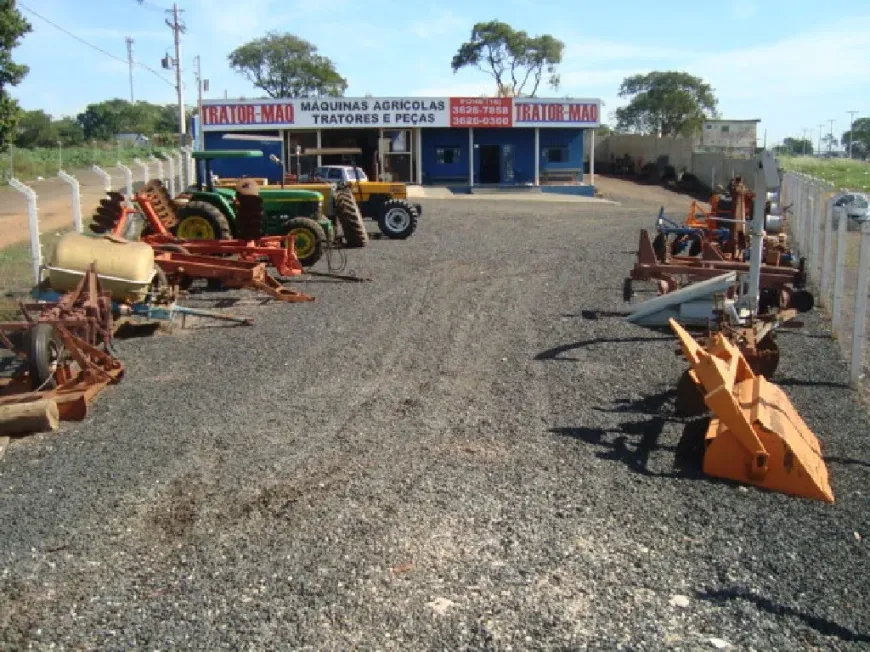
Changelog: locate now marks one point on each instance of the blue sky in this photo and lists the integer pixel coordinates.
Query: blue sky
(793, 64)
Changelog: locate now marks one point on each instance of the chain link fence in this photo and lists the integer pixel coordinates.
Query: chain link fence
(836, 251)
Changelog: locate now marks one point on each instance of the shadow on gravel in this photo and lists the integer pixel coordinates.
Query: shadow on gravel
(821, 625)
(636, 441)
(556, 352)
(846, 461)
(597, 314)
(796, 382)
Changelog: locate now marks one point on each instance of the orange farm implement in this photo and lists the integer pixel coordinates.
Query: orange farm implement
(66, 348)
(755, 436)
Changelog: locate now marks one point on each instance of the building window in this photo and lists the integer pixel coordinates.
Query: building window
(447, 155)
(556, 154)
(726, 129)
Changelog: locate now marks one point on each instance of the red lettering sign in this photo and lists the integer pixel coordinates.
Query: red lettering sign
(480, 112)
(247, 114)
(556, 112)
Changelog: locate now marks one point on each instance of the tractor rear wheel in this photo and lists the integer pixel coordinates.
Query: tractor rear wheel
(199, 220)
(398, 219)
(309, 239)
(347, 212)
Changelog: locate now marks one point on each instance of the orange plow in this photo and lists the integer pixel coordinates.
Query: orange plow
(756, 436)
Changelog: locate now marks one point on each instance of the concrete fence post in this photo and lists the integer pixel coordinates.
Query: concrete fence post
(813, 240)
(179, 166)
(128, 179)
(105, 176)
(839, 278)
(159, 163)
(827, 256)
(33, 223)
(144, 167)
(856, 368)
(73, 183)
(170, 163)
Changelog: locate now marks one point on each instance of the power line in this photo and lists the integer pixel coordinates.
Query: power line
(91, 45)
(150, 6)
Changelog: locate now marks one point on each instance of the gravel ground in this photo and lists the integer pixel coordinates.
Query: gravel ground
(472, 452)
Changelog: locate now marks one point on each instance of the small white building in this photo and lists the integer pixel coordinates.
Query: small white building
(135, 139)
(735, 138)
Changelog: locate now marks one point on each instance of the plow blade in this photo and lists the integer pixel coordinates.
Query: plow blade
(756, 436)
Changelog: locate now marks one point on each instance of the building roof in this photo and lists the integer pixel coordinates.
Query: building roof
(726, 120)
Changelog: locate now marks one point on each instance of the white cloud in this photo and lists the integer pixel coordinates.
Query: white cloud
(440, 24)
(821, 61)
(744, 9)
(583, 51)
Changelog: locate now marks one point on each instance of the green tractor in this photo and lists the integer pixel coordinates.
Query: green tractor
(207, 212)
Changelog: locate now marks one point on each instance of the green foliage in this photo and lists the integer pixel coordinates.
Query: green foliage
(860, 135)
(513, 58)
(841, 172)
(284, 65)
(27, 164)
(69, 131)
(34, 129)
(104, 120)
(795, 147)
(12, 27)
(665, 104)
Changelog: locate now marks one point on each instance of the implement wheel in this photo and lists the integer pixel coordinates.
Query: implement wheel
(43, 355)
(199, 220)
(398, 219)
(309, 239)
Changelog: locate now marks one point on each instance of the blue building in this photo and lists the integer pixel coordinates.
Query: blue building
(425, 140)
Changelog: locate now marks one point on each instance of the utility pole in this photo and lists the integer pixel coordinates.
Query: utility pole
(130, 63)
(178, 29)
(201, 85)
(851, 130)
(819, 153)
(831, 136)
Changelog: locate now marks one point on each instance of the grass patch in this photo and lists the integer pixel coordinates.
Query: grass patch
(842, 173)
(16, 270)
(27, 164)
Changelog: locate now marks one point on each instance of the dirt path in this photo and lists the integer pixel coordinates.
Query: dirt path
(54, 201)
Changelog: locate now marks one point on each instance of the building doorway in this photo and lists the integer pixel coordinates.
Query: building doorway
(365, 139)
(490, 164)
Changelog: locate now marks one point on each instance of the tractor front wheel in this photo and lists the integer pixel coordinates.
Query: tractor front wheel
(398, 219)
(200, 220)
(309, 239)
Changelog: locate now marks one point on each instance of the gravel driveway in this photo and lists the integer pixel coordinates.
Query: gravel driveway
(472, 452)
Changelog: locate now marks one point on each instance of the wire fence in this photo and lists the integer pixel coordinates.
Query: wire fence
(36, 212)
(45, 162)
(836, 251)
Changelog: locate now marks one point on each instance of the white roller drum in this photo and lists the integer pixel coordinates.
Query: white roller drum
(125, 268)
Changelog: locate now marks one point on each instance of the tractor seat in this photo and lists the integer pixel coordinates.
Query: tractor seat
(249, 214)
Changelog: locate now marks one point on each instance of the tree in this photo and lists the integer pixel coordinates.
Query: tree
(34, 129)
(68, 131)
(795, 147)
(285, 65)
(860, 136)
(665, 104)
(105, 120)
(12, 27)
(513, 58)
